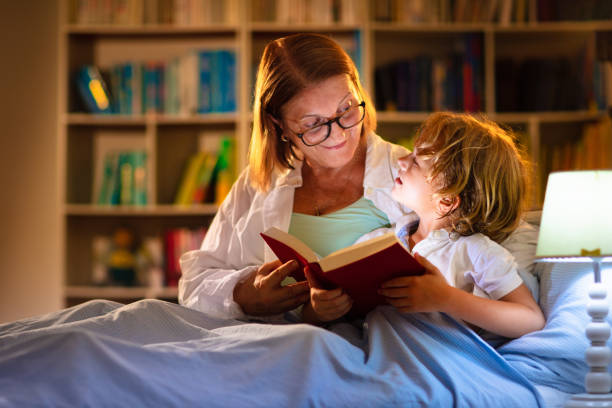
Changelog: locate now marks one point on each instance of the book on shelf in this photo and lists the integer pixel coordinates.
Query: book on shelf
(124, 180)
(224, 172)
(200, 81)
(563, 83)
(216, 81)
(93, 90)
(435, 11)
(140, 12)
(120, 169)
(307, 11)
(359, 269)
(504, 12)
(208, 173)
(426, 82)
(193, 183)
(177, 241)
(592, 150)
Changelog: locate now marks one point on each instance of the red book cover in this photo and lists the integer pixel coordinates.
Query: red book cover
(359, 269)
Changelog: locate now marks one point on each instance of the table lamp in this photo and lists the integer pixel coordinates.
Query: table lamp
(576, 226)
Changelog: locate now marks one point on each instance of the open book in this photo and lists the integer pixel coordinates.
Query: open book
(359, 269)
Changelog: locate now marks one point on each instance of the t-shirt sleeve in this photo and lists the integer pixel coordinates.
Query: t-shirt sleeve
(495, 270)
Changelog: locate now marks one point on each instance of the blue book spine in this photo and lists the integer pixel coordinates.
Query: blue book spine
(160, 95)
(229, 83)
(139, 163)
(217, 78)
(116, 88)
(93, 90)
(126, 177)
(149, 88)
(108, 179)
(357, 52)
(128, 87)
(115, 191)
(204, 81)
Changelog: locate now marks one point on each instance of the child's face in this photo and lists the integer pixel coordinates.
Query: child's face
(412, 187)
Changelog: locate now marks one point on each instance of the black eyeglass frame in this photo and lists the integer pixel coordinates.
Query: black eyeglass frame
(329, 125)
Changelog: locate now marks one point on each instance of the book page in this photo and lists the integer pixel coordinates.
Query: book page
(357, 251)
(294, 243)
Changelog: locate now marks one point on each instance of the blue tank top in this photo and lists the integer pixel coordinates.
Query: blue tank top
(327, 233)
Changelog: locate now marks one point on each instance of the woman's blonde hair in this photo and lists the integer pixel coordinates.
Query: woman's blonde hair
(476, 160)
(288, 66)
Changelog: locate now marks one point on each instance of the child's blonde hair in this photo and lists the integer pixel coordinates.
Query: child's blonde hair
(476, 160)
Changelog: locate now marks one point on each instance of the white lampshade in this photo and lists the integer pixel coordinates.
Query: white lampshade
(577, 215)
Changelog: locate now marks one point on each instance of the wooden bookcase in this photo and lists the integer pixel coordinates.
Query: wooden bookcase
(168, 140)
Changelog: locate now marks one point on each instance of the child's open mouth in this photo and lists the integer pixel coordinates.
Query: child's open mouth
(398, 180)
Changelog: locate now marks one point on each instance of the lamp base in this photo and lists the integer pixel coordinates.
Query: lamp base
(589, 400)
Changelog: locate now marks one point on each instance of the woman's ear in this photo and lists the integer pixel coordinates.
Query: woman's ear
(278, 126)
(273, 119)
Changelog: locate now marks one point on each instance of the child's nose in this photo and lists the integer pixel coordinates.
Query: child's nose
(403, 162)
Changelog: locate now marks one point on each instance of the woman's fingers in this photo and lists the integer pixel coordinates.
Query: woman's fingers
(294, 290)
(274, 277)
(293, 302)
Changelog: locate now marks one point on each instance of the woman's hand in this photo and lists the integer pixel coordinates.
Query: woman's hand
(425, 293)
(261, 293)
(326, 305)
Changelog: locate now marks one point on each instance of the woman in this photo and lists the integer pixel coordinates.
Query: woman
(316, 169)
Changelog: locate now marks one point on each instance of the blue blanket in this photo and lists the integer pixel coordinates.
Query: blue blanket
(555, 356)
(153, 353)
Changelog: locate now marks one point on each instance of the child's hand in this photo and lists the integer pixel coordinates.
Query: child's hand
(425, 293)
(328, 305)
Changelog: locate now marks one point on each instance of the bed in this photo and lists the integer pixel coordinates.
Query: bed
(155, 353)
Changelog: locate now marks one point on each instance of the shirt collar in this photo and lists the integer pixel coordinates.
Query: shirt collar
(381, 162)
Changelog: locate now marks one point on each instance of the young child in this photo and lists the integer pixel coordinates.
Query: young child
(467, 182)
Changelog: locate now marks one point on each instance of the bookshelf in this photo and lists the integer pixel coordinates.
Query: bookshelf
(169, 139)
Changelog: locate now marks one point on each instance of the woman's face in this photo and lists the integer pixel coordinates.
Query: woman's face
(316, 105)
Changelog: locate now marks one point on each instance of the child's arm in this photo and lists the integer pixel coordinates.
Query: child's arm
(512, 316)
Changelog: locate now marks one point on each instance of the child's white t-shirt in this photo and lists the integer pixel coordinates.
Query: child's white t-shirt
(475, 263)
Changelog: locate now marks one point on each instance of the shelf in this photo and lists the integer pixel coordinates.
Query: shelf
(155, 119)
(209, 118)
(169, 210)
(399, 27)
(143, 30)
(117, 292)
(547, 117)
(560, 26)
(273, 27)
(509, 117)
(401, 117)
(556, 26)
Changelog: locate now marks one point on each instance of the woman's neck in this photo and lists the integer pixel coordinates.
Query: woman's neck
(350, 172)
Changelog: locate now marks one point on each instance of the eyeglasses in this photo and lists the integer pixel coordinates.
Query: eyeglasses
(348, 119)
